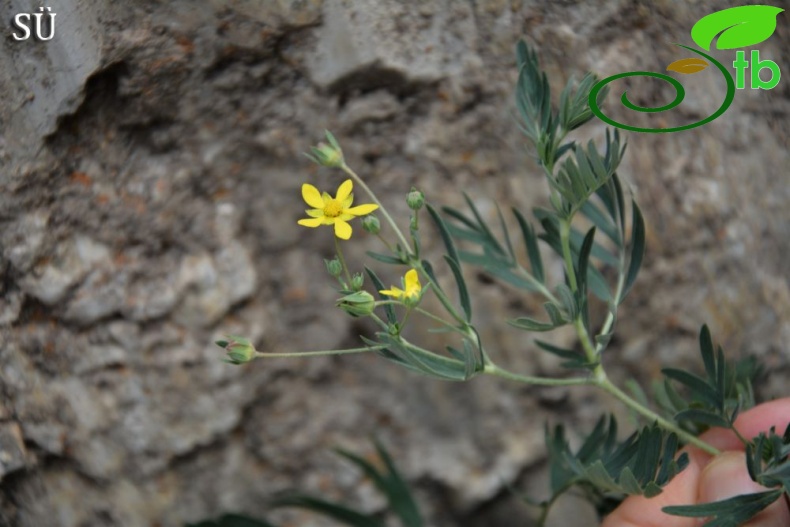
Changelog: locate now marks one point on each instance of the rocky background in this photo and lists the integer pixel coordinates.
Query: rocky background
(150, 166)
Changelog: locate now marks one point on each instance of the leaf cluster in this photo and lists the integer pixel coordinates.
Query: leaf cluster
(607, 469)
(712, 400)
(768, 464)
(460, 363)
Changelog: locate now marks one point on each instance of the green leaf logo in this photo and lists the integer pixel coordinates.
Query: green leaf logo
(739, 27)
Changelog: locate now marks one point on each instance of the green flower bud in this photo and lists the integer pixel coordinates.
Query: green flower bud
(328, 155)
(371, 224)
(333, 267)
(238, 349)
(415, 199)
(357, 281)
(359, 304)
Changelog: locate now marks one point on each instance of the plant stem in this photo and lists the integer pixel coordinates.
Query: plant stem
(460, 330)
(342, 262)
(600, 377)
(493, 369)
(321, 353)
(384, 212)
(691, 439)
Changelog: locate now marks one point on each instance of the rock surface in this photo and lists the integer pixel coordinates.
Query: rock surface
(150, 165)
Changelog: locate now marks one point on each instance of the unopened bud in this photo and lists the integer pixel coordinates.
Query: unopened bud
(328, 155)
(333, 267)
(357, 281)
(238, 349)
(359, 304)
(371, 224)
(415, 199)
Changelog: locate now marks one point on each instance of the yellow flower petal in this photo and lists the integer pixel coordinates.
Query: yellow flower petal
(412, 283)
(315, 213)
(344, 190)
(311, 222)
(348, 201)
(394, 292)
(361, 210)
(312, 197)
(342, 229)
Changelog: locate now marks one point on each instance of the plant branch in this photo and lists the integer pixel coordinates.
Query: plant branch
(358, 180)
(321, 353)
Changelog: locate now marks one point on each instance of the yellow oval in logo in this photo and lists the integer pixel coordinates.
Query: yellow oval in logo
(688, 66)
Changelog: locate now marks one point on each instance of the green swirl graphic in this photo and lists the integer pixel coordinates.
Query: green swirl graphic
(680, 94)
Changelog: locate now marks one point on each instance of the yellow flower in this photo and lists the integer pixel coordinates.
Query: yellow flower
(335, 211)
(411, 283)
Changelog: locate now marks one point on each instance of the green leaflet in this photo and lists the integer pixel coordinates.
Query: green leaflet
(731, 512)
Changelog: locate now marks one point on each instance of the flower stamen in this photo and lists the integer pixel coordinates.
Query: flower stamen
(333, 208)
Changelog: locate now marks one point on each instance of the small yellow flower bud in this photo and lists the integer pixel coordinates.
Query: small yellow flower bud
(415, 199)
(239, 350)
(371, 224)
(359, 304)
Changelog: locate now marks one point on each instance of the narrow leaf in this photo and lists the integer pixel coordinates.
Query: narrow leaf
(730, 512)
(530, 324)
(446, 238)
(637, 250)
(463, 292)
(531, 242)
(385, 258)
(702, 417)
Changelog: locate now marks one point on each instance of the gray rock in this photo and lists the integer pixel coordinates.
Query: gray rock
(23, 240)
(53, 73)
(10, 307)
(50, 281)
(12, 449)
(99, 296)
(369, 39)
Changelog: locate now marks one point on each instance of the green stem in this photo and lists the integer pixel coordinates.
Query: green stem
(689, 438)
(342, 262)
(321, 353)
(584, 338)
(740, 437)
(383, 210)
(425, 313)
(493, 369)
(405, 318)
